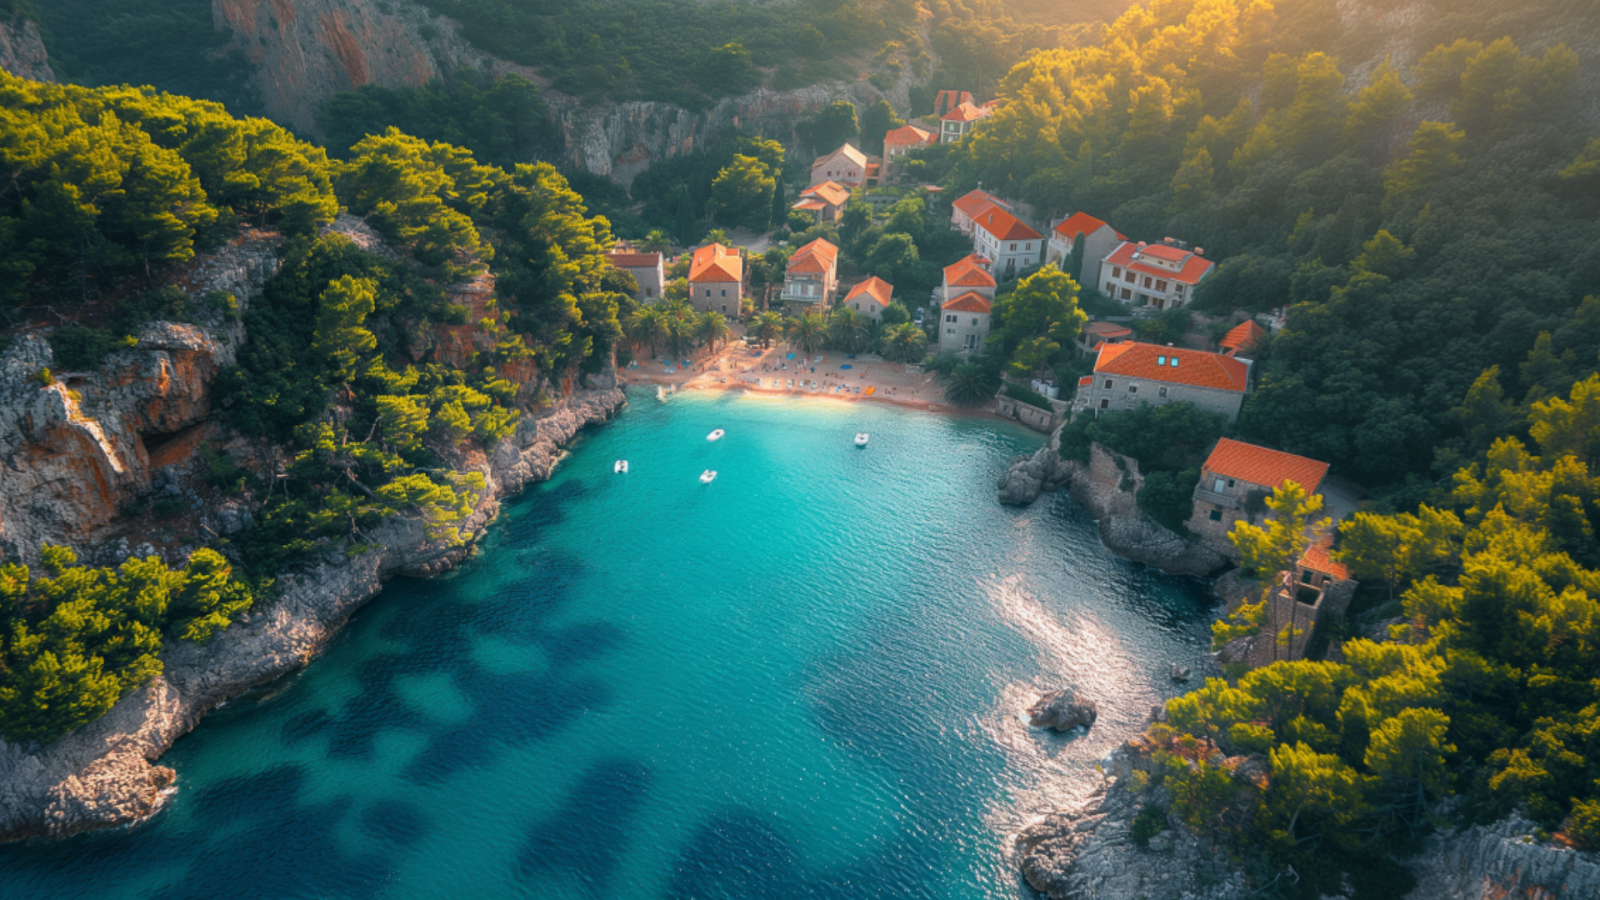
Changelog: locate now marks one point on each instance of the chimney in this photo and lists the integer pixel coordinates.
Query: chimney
(1199, 251)
(1143, 245)
(1168, 241)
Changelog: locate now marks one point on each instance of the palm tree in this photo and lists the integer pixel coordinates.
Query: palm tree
(768, 327)
(680, 334)
(904, 343)
(849, 330)
(646, 327)
(715, 236)
(971, 385)
(807, 332)
(711, 328)
(657, 241)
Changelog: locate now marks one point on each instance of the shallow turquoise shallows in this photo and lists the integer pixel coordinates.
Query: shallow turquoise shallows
(803, 680)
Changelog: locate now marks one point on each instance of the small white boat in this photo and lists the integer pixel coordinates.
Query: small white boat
(621, 468)
(708, 476)
(661, 392)
(861, 439)
(715, 435)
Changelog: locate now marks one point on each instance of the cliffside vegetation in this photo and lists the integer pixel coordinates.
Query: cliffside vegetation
(75, 638)
(380, 372)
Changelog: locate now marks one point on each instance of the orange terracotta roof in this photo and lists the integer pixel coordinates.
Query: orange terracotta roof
(1193, 267)
(907, 136)
(1260, 465)
(716, 264)
(1195, 368)
(1003, 225)
(830, 192)
(971, 301)
(1107, 330)
(875, 288)
(1085, 381)
(966, 112)
(1319, 558)
(1082, 223)
(966, 272)
(810, 205)
(817, 257)
(1243, 335)
(634, 260)
(976, 200)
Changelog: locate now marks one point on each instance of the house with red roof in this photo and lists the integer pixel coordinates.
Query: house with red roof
(967, 301)
(1131, 373)
(824, 201)
(870, 297)
(1161, 276)
(957, 123)
(647, 269)
(1011, 243)
(901, 141)
(716, 280)
(846, 165)
(811, 277)
(1242, 338)
(1235, 479)
(1096, 238)
(1096, 333)
(968, 204)
(945, 101)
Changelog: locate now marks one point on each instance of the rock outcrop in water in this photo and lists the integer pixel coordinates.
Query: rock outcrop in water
(1063, 711)
(1107, 487)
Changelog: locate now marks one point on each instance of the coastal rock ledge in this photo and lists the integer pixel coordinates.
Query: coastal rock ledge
(103, 775)
(1063, 711)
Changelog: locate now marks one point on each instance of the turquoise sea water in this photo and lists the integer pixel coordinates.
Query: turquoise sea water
(804, 680)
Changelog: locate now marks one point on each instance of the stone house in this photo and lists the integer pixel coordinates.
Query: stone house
(811, 277)
(870, 298)
(1131, 373)
(1010, 242)
(1099, 241)
(1096, 333)
(824, 201)
(957, 123)
(1161, 276)
(965, 207)
(964, 323)
(716, 280)
(898, 143)
(1235, 479)
(647, 269)
(846, 165)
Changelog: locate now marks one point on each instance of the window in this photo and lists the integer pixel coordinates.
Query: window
(724, 307)
(1105, 404)
(1161, 285)
(1230, 482)
(1217, 487)
(1161, 360)
(1108, 384)
(1147, 281)
(950, 331)
(1173, 362)
(649, 292)
(1133, 389)
(1013, 248)
(708, 292)
(1027, 247)
(974, 321)
(1180, 289)
(1127, 294)
(1215, 515)
(724, 292)
(1131, 278)
(1111, 289)
(950, 318)
(1116, 271)
(1162, 392)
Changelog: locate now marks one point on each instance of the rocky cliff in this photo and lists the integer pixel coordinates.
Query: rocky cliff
(1107, 487)
(22, 51)
(305, 51)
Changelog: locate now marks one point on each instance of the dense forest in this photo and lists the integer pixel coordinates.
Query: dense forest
(108, 185)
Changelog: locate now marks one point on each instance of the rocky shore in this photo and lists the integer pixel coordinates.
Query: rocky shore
(1107, 487)
(105, 775)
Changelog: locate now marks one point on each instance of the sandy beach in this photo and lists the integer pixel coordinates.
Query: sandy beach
(830, 375)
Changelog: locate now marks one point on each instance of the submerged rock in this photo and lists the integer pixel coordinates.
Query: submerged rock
(1178, 673)
(1062, 711)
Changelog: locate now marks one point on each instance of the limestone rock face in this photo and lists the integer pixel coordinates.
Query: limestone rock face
(22, 51)
(1029, 476)
(1063, 711)
(1502, 860)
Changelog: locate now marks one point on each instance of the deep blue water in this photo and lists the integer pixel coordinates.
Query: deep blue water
(805, 680)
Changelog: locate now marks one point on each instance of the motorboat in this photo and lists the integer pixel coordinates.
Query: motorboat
(715, 435)
(708, 476)
(621, 468)
(861, 439)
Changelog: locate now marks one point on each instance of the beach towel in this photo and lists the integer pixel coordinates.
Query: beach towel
(790, 356)
(870, 390)
(847, 366)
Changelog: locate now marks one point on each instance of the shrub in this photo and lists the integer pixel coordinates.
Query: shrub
(79, 348)
(167, 507)
(1168, 497)
(1151, 821)
(1028, 396)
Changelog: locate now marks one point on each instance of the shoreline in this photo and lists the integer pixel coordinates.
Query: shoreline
(928, 406)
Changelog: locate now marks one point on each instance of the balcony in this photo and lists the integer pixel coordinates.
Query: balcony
(1216, 499)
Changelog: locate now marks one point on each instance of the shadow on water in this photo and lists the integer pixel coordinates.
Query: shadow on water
(588, 836)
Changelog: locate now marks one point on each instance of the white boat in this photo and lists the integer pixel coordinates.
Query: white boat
(715, 435)
(621, 468)
(661, 392)
(708, 476)
(861, 439)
